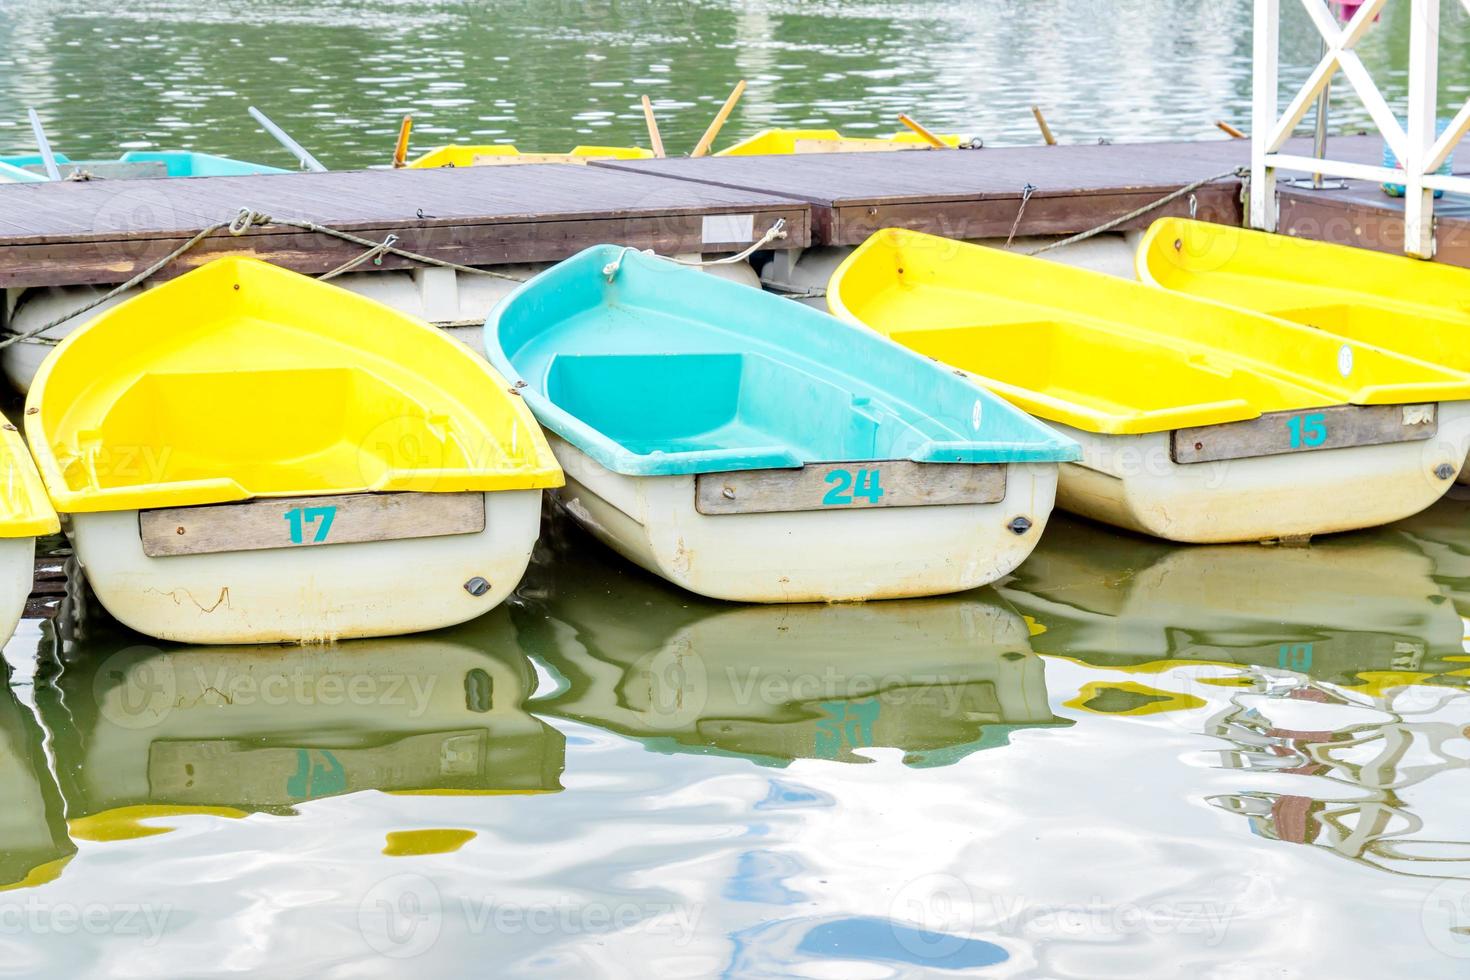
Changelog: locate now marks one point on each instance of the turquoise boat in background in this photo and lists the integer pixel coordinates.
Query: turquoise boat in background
(750, 448)
(134, 164)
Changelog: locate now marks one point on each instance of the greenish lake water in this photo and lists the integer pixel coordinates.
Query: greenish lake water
(548, 74)
(1129, 759)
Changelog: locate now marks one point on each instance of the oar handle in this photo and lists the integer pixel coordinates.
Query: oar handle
(705, 141)
(655, 141)
(1041, 124)
(400, 149)
(48, 159)
(924, 133)
(307, 160)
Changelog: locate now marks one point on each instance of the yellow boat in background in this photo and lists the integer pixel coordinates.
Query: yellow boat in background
(248, 455)
(770, 142)
(1198, 423)
(1419, 309)
(502, 154)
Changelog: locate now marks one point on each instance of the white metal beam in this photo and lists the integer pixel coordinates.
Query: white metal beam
(1450, 138)
(1266, 84)
(1423, 99)
(1413, 142)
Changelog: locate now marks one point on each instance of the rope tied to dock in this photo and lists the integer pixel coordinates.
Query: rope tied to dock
(1122, 219)
(244, 220)
(812, 292)
(238, 225)
(1026, 193)
(776, 231)
(773, 233)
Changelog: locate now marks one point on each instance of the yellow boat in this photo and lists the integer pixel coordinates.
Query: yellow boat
(248, 455)
(1419, 309)
(25, 514)
(772, 142)
(1198, 423)
(501, 154)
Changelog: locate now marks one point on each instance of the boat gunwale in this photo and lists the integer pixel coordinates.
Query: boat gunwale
(540, 470)
(1087, 418)
(1048, 446)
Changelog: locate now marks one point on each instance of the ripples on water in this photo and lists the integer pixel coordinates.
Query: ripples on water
(548, 74)
(1132, 759)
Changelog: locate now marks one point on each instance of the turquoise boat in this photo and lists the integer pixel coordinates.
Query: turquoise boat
(750, 448)
(31, 168)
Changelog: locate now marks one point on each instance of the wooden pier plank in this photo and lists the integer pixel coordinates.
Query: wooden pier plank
(978, 193)
(105, 231)
(1363, 216)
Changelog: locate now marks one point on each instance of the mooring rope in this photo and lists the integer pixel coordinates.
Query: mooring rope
(1137, 212)
(777, 230)
(809, 292)
(243, 221)
(247, 218)
(1026, 193)
(117, 291)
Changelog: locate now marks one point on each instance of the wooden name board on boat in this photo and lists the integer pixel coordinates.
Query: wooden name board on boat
(204, 770)
(297, 522)
(1308, 430)
(847, 486)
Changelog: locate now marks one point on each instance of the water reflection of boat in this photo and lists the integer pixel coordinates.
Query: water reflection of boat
(209, 727)
(936, 678)
(33, 842)
(1340, 607)
(1443, 533)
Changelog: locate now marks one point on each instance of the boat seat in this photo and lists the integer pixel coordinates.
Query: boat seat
(699, 402)
(170, 427)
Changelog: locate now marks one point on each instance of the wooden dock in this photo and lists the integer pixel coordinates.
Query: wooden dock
(103, 232)
(72, 233)
(978, 193)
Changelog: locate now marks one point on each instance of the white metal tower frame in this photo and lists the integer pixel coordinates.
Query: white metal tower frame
(1417, 148)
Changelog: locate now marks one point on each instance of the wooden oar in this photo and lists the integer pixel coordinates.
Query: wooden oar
(705, 141)
(1234, 133)
(924, 133)
(400, 149)
(307, 160)
(48, 159)
(1045, 129)
(654, 139)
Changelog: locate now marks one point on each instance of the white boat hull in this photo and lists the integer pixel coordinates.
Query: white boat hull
(310, 594)
(17, 575)
(806, 556)
(1131, 481)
